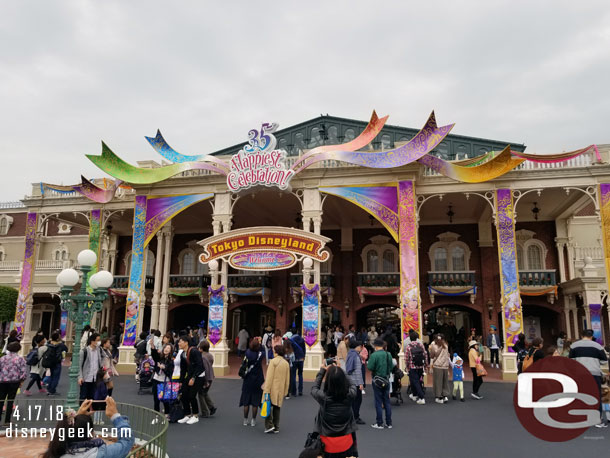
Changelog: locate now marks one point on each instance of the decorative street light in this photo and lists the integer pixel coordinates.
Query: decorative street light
(80, 307)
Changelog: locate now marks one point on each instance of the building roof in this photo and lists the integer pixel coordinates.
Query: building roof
(331, 130)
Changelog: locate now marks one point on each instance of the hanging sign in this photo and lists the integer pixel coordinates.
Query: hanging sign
(259, 163)
(262, 260)
(264, 248)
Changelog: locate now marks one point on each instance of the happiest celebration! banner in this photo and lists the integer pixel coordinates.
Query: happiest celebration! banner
(311, 311)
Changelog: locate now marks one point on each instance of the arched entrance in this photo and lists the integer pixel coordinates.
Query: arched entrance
(379, 315)
(187, 314)
(254, 317)
(542, 322)
(454, 322)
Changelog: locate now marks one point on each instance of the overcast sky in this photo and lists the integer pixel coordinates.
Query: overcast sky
(73, 73)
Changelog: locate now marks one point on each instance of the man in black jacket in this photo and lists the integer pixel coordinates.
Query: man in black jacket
(192, 378)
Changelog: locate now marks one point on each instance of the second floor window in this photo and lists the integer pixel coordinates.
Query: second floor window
(449, 254)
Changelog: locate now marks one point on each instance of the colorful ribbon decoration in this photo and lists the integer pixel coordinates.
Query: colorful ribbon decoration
(539, 292)
(378, 291)
(181, 292)
(447, 292)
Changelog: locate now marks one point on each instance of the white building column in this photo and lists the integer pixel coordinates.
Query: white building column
(560, 244)
(566, 312)
(167, 235)
(154, 316)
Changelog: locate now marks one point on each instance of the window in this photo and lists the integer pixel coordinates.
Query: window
(440, 259)
(61, 253)
(350, 134)
(380, 256)
(534, 257)
(326, 267)
(371, 261)
(150, 263)
(458, 258)
(449, 254)
(5, 224)
(388, 261)
(386, 142)
(188, 263)
(202, 269)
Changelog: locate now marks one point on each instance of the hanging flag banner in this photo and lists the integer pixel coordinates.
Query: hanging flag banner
(136, 273)
(266, 243)
(509, 278)
(63, 324)
(604, 206)
(311, 311)
(215, 314)
(409, 270)
(27, 273)
(596, 322)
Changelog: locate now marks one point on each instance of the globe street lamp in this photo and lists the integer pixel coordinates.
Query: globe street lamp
(80, 306)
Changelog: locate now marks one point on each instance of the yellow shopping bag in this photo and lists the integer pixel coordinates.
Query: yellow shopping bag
(265, 406)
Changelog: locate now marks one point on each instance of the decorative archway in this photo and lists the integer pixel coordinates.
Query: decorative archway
(187, 313)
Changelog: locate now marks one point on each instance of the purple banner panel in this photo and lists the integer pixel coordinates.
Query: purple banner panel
(27, 274)
(215, 312)
(311, 308)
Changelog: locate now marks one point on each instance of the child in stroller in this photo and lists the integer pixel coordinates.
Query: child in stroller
(146, 376)
(396, 387)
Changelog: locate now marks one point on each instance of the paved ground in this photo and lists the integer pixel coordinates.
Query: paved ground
(472, 429)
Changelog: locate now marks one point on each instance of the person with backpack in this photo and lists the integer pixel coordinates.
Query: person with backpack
(473, 360)
(300, 350)
(87, 331)
(268, 343)
(205, 401)
(534, 354)
(91, 361)
(380, 365)
(251, 371)
(51, 362)
(520, 348)
(191, 378)
(34, 360)
(439, 362)
(416, 361)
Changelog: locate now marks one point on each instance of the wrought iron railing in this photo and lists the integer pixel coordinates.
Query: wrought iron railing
(249, 281)
(122, 282)
(189, 281)
(540, 278)
(449, 279)
(149, 428)
(326, 280)
(378, 279)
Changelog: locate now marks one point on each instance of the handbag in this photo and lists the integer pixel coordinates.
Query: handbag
(168, 391)
(381, 382)
(313, 442)
(176, 412)
(266, 406)
(481, 372)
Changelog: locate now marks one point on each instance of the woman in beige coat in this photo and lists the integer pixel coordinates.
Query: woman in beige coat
(439, 361)
(277, 382)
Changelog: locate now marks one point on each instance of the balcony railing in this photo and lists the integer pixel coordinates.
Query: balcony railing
(385, 279)
(449, 279)
(51, 264)
(10, 265)
(533, 278)
(249, 281)
(326, 280)
(189, 281)
(122, 282)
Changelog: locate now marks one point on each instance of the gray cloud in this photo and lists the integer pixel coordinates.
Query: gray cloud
(75, 73)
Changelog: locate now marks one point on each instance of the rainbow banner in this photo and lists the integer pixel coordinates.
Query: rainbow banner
(134, 291)
(604, 205)
(509, 276)
(215, 314)
(596, 322)
(27, 273)
(159, 210)
(409, 272)
(379, 201)
(311, 313)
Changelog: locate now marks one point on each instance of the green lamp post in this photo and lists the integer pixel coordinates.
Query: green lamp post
(80, 306)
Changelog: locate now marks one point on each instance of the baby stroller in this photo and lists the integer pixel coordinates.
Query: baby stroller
(395, 392)
(146, 376)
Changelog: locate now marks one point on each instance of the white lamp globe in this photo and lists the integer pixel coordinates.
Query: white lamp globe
(87, 258)
(104, 279)
(307, 263)
(68, 277)
(93, 281)
(213, 264)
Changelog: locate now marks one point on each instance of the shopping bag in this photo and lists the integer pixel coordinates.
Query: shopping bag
(168, 391)
(266, 406)
(481, 372)
(176, 412)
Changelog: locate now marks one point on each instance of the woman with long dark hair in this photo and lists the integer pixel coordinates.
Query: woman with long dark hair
(439, 361)
(335, 421)
(251, 388)
(72, 439)
(164, 368)
(108, 364)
